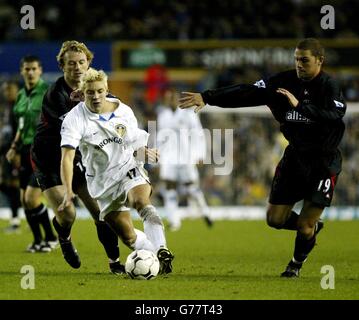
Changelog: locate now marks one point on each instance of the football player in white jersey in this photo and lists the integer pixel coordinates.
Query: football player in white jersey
(111, 144)
(182, 145)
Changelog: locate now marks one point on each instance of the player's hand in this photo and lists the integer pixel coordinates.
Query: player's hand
(68, 197)
(77, 96)
(190, 99)
(10, 155)
(291, 98)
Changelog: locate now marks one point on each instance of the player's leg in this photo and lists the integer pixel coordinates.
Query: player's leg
(62, 223)
(306, 237)
(282, 216)
(318, 193)
(168, 174)
(14, 201)
(29, 202)
(12, 194)
(121, 223)
(38, 213)
(105, 234)
(32, 200)
(139, 198)
(33, 224)
(34, 194)
(287, 189)
(170, 199)
(196, 196)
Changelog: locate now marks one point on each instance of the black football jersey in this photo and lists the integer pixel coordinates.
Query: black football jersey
(314, 127)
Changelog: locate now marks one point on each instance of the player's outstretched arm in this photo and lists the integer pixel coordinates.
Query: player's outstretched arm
(190, 99)
(67, 169)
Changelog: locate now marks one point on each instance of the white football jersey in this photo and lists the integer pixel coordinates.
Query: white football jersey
(106, 142)
(180, 137)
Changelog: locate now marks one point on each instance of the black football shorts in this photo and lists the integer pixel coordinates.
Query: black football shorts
(26, 173)
(297, 178)
(48, 174)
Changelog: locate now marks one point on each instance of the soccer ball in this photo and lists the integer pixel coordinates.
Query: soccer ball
(142, 265)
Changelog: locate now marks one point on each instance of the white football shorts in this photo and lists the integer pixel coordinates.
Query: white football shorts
(116, 201)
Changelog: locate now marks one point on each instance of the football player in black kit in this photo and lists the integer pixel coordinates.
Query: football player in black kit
(309, 106)
(74, 60)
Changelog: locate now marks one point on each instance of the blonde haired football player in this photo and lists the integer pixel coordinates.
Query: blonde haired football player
(74, 59)
(107, 134)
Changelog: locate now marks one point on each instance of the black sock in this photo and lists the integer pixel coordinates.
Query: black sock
(14, 198)
(63, 233)
(291, 223)
(13, 195)
(43, 217)
(109, 240)
(303, 247)
(33, 221)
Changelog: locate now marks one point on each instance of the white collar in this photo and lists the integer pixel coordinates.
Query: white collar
(97, 116)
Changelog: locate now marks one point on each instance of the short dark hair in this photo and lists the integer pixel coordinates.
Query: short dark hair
(29, 59)
(313, 45)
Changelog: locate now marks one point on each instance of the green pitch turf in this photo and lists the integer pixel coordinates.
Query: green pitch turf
(234, 260)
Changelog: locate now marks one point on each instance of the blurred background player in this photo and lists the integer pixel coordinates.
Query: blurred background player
(309, 105)
(107, 134)
(27, 111)
(182, 146)
(74, 60)
(9, 173)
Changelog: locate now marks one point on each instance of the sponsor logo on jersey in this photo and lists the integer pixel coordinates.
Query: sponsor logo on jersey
(121, 130)
(295, 116)
(106, 141)
(338, 104)
(260, 84)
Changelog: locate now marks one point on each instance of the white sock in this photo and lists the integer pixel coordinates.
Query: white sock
(153, 227)
(142, 242)
(15, 221)
(196, 194)
(171, 207)
(112, 261)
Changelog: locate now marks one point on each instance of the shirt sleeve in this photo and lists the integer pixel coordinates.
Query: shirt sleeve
(238, 96)
(331, 108)
(71, 131)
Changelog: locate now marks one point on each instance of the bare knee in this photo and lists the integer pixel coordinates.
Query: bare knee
(140, 203)
(66, 217)
(129, 239)
(121, 223)
(274, 219)
(306, 228)
(31, 202)
(274, 222)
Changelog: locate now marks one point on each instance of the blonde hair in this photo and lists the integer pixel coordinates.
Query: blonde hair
(93, 75)
(76, 46)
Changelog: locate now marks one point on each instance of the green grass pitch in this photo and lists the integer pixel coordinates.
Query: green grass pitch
(234, 260)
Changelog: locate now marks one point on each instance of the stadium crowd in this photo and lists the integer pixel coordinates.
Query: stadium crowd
(187, 19)
(255, 154)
